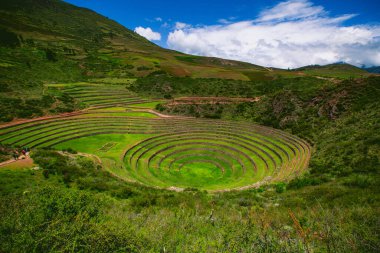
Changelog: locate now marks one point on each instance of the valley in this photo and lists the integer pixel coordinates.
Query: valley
(111, 143)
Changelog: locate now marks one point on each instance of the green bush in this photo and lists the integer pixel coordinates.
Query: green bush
(8, 39)
(280, 187)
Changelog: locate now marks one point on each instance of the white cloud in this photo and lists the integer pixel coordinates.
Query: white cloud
(291, 34)
(165, 25)
(148, 33)
(158, 19)
(180, 25)
(224, 21)
(291, 10)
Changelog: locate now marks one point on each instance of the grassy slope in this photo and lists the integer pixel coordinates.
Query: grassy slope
(50, 41)
(92, 45)
(338, 70)
(334, 208)
(337, 204)
(111, 215)
(341, 119)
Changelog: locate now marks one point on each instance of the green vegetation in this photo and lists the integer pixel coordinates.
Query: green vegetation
(27, 108)
(333, 208)
(341, 120)
(98, 95)
(236, 154)
(50, 41)
(80, 208)
(300, 165)
(5, 152)
(163, 85)
(339, 70)
(240, 154)
(166, 86)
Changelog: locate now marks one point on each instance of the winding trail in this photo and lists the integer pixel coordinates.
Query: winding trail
(210, 100)
(25, 160)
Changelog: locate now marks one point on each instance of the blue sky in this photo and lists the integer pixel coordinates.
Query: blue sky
(256, 31)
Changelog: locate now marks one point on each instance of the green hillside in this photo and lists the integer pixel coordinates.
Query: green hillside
(341, 70)
(50, 41)
(136, 148)
(53, 33)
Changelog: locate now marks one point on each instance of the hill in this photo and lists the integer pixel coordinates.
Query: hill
(90, 45)
(375, 69)
(80, 187)
(55, 41)
(342, 70)
(50, 41)
(135, 148)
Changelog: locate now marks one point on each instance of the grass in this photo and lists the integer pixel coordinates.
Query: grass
(343, 71)
(81, 208)
(112, 157)
(150, 105)
(20, 164)
(125, 114)
(104, 207)
(6, 65)
(161, 151)
(16, 180)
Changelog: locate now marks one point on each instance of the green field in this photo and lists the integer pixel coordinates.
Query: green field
(137, 145)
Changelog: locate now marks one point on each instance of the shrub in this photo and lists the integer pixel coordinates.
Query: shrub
(70, 150)
(8, 39)
(51, 55)
(280, 187)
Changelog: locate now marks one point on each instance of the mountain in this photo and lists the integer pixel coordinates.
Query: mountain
(53, 41)
(91, 45)
(374, 69)
(342, 70)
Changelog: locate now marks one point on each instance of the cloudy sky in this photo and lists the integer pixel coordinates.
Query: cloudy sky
(284, 34)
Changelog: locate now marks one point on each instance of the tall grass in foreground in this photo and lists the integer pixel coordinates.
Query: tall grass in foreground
(81, 209)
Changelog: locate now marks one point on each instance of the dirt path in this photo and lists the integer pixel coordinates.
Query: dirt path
(210, 100)
(176, 101)
(20, 121)
(331, 79)
(27, 161)
(157, 113)
(95, 157)
(64, 115)
(269, 69)
(98, 160)
(165, 115)
(160, 114)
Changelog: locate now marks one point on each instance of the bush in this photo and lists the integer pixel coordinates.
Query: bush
(361, 181)
(142, 68)
(46, 173)
(8, 39)
(280, 187)
(160, 107)
(70, 150)
(51, 55)
(300, 182)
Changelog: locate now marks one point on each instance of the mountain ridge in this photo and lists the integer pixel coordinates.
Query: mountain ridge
(90, 39)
